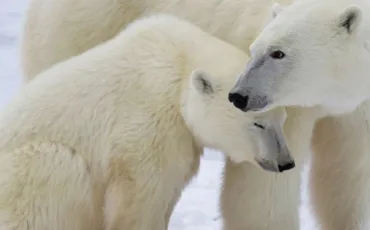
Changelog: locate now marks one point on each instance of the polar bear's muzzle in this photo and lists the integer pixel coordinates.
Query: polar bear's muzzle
(274, 154)
(269, 166)
(252, 91)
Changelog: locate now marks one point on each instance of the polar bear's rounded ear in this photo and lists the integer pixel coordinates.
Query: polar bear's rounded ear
(202, 81)
(350, 18)
(276, 9)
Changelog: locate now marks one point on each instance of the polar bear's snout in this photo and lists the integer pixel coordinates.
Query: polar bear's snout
(238, 100)
(247, 101)
(275, 154)
(270, 166)
(272, 152)
(248, 93)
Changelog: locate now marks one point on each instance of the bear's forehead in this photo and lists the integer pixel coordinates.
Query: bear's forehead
(311, 22)
(279, 34)
(315, 11)
(300, 21)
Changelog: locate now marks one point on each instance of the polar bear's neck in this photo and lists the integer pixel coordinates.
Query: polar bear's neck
(311, 131)
(298, 129)
(343, 141)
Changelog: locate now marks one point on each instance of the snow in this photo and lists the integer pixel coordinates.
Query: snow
(198, 207)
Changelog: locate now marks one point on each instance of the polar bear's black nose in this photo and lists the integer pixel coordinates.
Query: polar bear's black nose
(238, 100)
(286, 166)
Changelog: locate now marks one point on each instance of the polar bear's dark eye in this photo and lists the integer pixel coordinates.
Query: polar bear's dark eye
(277, 54)
(259, 126)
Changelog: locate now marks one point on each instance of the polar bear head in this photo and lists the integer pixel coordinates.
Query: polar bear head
(217, 124)
(313, 53)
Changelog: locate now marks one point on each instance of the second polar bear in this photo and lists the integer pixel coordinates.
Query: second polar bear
(316, 54)
(108, 139)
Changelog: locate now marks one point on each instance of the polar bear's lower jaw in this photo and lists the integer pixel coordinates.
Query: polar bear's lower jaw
(269, 166)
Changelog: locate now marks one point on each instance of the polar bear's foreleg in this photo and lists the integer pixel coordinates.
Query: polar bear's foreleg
(132, 201)
(252, 199)
(46, 186)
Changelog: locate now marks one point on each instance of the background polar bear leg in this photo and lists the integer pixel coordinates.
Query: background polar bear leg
(339, 173)
(252, 199)
(46, 186)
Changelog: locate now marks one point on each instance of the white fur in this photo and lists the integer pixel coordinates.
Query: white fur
(339, 171)
(55, 31)
(111, 137)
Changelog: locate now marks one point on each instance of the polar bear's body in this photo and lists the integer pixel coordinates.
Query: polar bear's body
(111, 137)
(55, 31)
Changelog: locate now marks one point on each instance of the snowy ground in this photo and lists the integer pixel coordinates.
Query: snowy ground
(198, 207)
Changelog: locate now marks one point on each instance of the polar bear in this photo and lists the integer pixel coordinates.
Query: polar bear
(321, 62)
(122, 126)
(55, 31)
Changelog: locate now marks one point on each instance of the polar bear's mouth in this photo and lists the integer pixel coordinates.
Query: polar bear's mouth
(259, 125)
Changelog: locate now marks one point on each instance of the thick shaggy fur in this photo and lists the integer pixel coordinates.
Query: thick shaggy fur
(121, 126)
